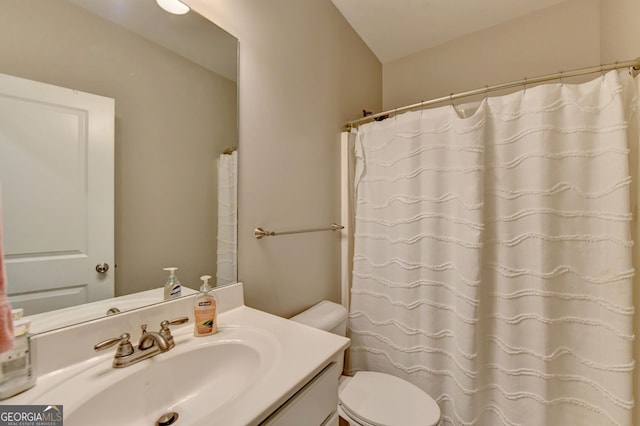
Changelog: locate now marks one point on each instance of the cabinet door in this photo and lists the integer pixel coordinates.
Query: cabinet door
(57, 178)
(312, 405)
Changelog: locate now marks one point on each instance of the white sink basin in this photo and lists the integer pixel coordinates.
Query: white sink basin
(194, 379)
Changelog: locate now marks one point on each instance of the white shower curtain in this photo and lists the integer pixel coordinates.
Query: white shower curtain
(227, 241)
(492, 263)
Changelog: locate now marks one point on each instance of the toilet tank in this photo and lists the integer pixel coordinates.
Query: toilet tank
(326, 315)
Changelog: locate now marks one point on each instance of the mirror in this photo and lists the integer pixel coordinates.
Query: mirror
(173, 79)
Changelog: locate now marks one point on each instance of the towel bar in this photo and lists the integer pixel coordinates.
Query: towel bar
(261, 233)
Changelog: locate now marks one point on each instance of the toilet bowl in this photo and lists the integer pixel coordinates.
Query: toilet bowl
(370, 398)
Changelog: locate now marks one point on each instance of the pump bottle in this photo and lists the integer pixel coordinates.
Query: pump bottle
(205, 310)
(172, 287)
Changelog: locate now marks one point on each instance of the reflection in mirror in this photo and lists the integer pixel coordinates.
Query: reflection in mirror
(171, 83)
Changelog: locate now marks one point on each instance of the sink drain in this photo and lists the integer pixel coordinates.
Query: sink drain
(167, 419)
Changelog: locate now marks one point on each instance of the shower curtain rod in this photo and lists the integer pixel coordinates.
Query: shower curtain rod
(635, 63)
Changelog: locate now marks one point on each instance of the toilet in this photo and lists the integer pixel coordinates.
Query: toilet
(370, 398)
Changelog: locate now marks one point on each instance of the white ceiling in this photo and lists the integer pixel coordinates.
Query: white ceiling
(396, 28)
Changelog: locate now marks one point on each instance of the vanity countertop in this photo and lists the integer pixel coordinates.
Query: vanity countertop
(296, 354)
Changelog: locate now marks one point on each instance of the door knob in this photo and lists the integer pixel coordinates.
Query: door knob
(102, 268)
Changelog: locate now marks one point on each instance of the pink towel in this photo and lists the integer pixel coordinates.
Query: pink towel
(6, 323)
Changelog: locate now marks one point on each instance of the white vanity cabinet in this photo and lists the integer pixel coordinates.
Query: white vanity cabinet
(313, 405)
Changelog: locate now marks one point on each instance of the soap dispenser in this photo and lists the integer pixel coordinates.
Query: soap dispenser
(16, 372)
(205, 310)
(172, 287)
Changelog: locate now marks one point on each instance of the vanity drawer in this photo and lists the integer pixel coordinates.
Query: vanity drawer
(313, 404)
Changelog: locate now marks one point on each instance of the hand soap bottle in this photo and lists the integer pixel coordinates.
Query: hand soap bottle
(172, 287)
(16, 372)
(205, 310)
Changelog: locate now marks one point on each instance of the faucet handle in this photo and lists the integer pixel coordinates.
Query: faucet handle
(175, 321)
(166, 332)
(124, 348)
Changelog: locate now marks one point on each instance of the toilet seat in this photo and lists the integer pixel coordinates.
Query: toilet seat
(378, 399)
(351, 419)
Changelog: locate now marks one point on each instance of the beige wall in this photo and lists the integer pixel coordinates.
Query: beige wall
(565, 36)
(303, 73)
(574, 34)
(170, 114)
(619, 37)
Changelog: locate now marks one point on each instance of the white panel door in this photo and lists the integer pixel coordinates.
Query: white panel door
(57, 180)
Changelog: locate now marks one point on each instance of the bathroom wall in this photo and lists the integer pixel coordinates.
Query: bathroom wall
(573, 34)
(619, 39)
(303, 73)
(163, 205)
(560, 37)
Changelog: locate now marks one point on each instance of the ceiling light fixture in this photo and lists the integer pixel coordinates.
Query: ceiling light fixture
(173, 6)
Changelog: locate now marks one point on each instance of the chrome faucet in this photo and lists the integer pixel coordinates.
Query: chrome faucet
(150, 344)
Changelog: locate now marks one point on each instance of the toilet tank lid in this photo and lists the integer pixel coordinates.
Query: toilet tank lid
(325, 315)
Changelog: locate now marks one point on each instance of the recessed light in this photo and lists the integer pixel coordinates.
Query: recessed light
(173, 6)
